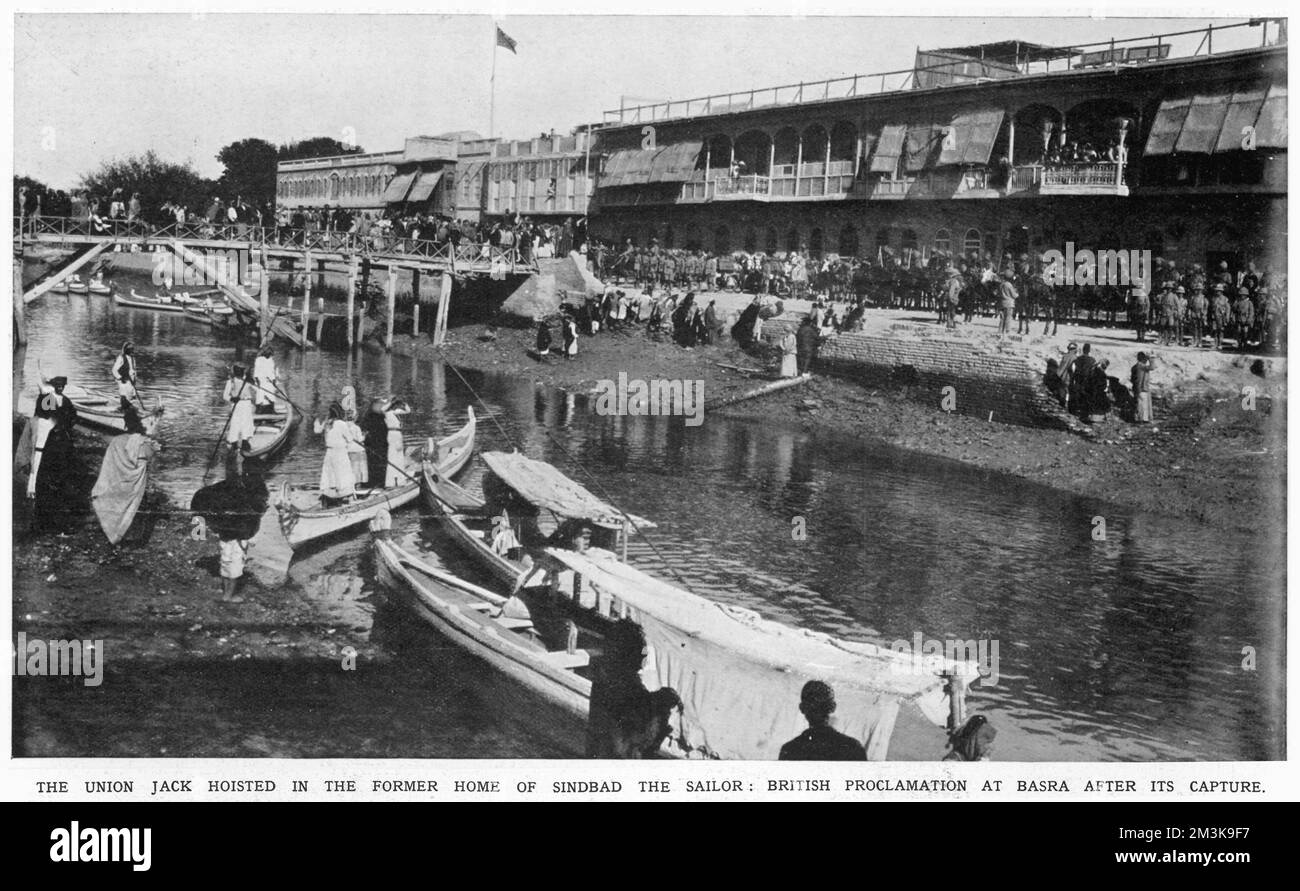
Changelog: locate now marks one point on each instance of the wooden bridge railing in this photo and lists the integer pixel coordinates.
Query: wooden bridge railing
(375, 244)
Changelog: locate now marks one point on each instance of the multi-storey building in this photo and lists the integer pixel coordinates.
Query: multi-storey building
(1176, 143)
(460, 175)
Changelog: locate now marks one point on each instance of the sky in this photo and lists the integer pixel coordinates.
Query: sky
(93, 87)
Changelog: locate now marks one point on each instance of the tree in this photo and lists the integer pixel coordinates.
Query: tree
(250, 171)
(156, 180)
(317, 147)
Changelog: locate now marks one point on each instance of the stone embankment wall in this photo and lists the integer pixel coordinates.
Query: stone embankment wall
(987, 378)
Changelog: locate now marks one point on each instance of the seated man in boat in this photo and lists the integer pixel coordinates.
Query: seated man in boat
(504, 542)
(820, 742)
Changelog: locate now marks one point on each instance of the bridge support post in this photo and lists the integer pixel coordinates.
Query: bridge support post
(444, 308)
(20, 312)
(265, 295)
(306, 300)
(415, 301)
(352, 303)
(392, 307)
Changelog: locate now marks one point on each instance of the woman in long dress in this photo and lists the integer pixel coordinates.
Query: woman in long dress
(240, 393)
(337, 480)
(396, 453)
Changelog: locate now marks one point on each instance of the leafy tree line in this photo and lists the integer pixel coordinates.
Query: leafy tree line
(248, 173)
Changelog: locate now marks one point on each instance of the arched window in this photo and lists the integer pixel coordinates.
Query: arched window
(909, 240)
(719, 152)
(772, 245)
(844, 141)
(815, 242)
(721, 240)
(792, 240)
(693, 237)
(943, 241)
(334, 186)
(883, 238)
(785, 146)
(751, 240)
(973, 243)
(815, 141)
(754, 153)
(668, 236)
(849, 241)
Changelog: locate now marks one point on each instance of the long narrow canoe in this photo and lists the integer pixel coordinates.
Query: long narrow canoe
(120, 299)
(304, 520)
(557, 697)
(271, 432)
(464, 517)
(98, 410)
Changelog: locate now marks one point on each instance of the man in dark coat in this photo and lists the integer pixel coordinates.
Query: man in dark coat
(820, 742)
(374, 431)
(1080, 378)
(806, 344)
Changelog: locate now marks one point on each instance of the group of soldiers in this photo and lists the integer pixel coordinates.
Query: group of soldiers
(1180, 307)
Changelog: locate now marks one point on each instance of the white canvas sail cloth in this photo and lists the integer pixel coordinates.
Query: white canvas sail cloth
(740, 675)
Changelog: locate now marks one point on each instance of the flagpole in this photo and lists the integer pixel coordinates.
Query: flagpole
(492, 102)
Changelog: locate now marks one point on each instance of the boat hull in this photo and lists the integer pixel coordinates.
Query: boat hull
(129, 303)
(303, 526)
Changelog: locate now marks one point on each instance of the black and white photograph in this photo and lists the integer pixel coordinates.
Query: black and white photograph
(502, 386)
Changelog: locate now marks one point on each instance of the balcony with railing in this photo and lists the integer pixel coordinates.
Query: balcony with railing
(786, 182)
(1128, 52)
(1096, 178)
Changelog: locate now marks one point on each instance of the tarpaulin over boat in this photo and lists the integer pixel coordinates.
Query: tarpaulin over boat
(1270, 129)
(542, 485)
(1243, 111)
(397, 188)
(971, 138)
(121, 484)
(425, 185)
(1167, 126)
(740, 675)
(1204, 121)
(888, 149)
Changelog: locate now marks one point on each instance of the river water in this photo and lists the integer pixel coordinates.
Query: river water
(1129, 648)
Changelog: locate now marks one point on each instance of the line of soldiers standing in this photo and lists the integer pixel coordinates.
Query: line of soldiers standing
(1192, 305)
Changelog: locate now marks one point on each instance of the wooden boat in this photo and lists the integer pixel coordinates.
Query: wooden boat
(270, 432)
(76, 285)
(99, 286)
(139, 301)
(555, 682)
(60, 288)
(218, 315)
(304, 520)
(881, 693)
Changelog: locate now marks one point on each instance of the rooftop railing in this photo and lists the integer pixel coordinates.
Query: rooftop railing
(1127, 52)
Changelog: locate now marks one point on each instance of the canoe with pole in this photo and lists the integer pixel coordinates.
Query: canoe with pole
(303, 519)
(270, 432)
(137, 301)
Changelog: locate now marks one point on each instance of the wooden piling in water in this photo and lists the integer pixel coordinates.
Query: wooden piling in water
(265, 296)
(392, 307)
(306, 299)
(352, 302)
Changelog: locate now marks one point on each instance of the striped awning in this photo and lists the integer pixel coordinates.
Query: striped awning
(889, 149)
(922, 142)
(425, 185)
(1270, 129)
(1167, 126)
(970, 137)
(672, 163)
(398, 186)
(675, 163)
(1243, 112)
(1203, 124)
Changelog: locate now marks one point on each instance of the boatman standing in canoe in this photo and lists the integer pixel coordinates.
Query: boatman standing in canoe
(124, 373)
(820, 742)
(241, 426)
(265, 376)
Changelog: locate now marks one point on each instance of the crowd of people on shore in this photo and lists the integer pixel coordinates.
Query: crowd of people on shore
(1016, 289)
(1084, 386)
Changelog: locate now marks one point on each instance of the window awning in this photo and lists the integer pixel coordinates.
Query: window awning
(1204, 122)
(888, 149)
(675, 163)
(667, 164)
(971, 138)
(1270, 129)
(922, 140)
(1243, 112)
(397, 188)
(425, 185)
(1167, 126)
